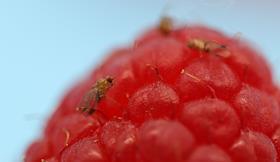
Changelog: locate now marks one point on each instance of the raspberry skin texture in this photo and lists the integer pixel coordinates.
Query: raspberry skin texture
(177, 94)
(164, 148)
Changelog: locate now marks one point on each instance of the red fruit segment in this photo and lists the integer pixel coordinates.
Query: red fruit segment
(85, 150)
(153, 101)
(250, 65)
(119, 140)
(68, 128)
(258, 110)
(243, 149)
(207, 76)
(212, 120)
(164, 141)
(263, 146)
(209, 153)
(160, 59)
(37, 151)
(253, 147)
(118, 62)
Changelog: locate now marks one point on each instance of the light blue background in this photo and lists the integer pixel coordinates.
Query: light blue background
(45, 45)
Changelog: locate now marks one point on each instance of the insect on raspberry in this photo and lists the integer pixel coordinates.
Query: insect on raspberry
(95, 95)
(166, 25)
(209, 47)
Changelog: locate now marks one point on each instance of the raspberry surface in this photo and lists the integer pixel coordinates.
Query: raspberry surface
(184, 94)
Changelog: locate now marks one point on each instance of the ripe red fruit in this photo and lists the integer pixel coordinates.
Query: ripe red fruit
(189, 94)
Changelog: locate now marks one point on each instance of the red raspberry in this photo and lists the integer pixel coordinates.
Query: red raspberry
(187, 94)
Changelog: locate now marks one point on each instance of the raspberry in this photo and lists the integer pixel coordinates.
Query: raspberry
(178, 94)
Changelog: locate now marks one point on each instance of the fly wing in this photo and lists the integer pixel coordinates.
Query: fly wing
(88, 102)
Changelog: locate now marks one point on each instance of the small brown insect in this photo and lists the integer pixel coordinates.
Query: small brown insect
(209, 47)
(94, 95)
(165, 25)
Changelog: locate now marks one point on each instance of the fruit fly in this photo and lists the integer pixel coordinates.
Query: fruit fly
(95, 95)
(209, 47)
(165, 25)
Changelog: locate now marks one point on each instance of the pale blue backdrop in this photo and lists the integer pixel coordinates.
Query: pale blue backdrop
(45, 45)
